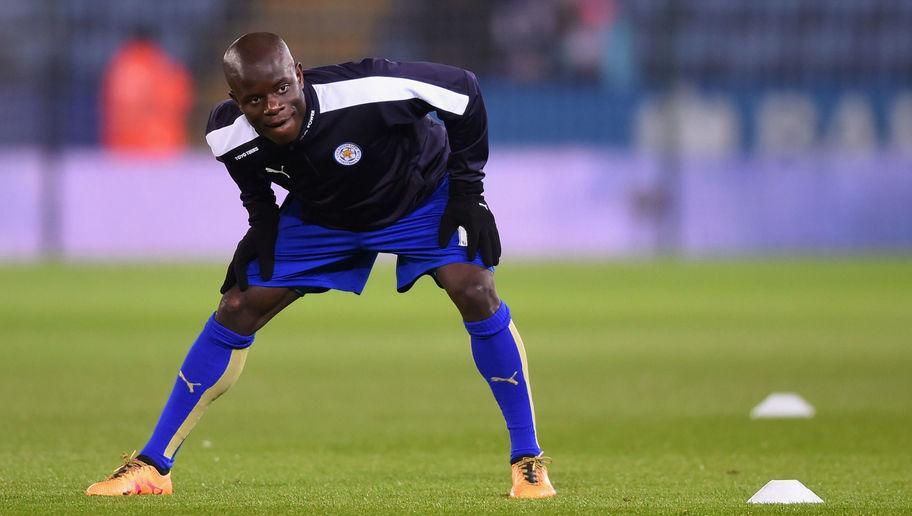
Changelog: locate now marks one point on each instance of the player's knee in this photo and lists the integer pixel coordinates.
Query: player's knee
(232, 303)
(477, 298)
(234, 313)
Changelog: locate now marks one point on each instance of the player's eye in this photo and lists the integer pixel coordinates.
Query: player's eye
(254, 100)
(283, 88)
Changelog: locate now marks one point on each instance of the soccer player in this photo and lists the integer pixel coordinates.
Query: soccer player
(367, 171)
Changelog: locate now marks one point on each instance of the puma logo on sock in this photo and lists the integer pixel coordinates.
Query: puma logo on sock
(190, 385)
(511, 379)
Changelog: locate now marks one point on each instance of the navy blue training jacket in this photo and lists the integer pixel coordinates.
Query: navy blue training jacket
(368, 152)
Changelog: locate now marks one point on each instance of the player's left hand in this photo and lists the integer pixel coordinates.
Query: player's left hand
(472, 213)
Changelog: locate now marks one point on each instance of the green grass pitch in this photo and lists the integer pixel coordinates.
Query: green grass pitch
(643, 376)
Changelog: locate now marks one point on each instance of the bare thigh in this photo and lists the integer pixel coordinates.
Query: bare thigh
(248, 311)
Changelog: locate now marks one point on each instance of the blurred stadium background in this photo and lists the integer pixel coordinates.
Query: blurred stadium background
(618, 128)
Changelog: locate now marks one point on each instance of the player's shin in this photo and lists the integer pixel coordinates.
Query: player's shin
(501, 359)
(211, 367)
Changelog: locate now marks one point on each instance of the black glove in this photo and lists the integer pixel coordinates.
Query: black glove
(258, 243)
(467, 208)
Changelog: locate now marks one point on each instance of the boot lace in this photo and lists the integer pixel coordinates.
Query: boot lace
(531, 466)
(129, 463)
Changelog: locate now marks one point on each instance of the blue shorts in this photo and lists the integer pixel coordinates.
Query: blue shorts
(312, 258)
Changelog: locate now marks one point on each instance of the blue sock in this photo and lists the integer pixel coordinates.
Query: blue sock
(213, 364)
(501, 359)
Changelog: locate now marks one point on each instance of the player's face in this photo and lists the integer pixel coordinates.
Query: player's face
(271, 96)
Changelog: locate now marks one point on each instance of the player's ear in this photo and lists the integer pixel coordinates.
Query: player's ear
(233, 97)
(299, 73)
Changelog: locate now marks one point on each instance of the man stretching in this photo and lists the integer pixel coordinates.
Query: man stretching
(368, 171)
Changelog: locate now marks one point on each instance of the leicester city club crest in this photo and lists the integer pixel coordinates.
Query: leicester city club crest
(348, 154)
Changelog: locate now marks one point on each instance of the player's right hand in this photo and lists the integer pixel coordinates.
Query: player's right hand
(257, 244)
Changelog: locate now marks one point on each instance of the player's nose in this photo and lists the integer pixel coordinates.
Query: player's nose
(273, 105)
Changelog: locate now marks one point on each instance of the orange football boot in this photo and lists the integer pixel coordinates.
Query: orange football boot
(134, 477)
(530, 478)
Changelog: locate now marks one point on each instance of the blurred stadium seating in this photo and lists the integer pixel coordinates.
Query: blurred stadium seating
(684, 126)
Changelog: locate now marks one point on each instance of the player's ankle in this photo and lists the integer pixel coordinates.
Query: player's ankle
(148, 460)
(521, 456)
